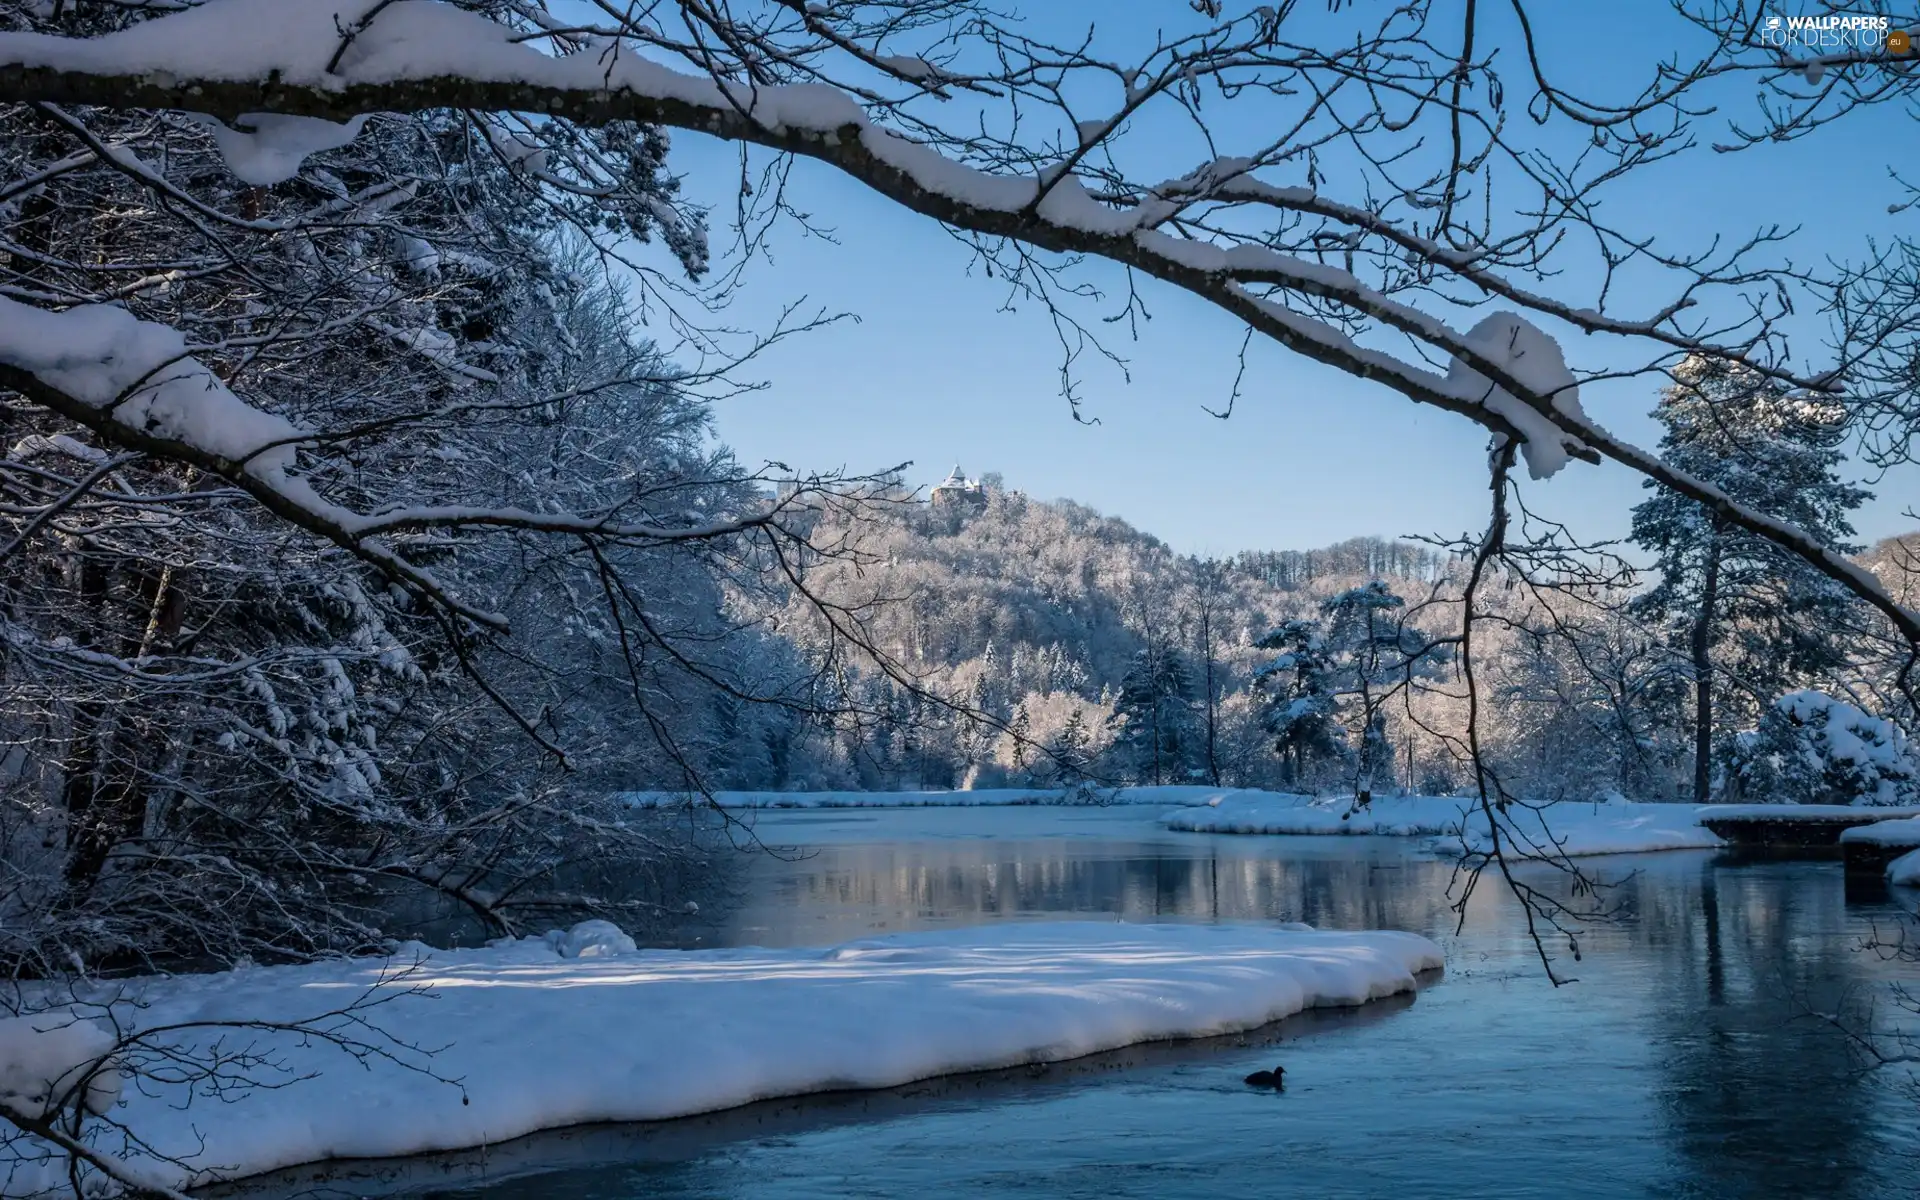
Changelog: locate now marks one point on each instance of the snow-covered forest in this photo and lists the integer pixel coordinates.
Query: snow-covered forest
(368, 526)
(365, 532)
(1059, 645)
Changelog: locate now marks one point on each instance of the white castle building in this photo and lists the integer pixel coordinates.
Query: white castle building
(957, 491)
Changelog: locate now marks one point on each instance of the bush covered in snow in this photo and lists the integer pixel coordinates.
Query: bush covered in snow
(1811, 748)
(50, 1061)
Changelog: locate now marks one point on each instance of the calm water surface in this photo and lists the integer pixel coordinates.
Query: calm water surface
(1682, 1064)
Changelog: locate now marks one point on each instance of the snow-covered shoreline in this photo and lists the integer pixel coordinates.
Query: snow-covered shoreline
(541, 1041)
(1568, 828)
(981, 798)
(1565, 828)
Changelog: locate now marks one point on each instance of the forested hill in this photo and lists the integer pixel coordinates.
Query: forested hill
(1055, 592)
(1037, 612)
(1089, 646)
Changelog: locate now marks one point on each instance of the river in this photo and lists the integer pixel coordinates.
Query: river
(1689, 1060)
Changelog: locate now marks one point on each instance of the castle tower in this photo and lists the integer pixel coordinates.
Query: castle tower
(958, 491)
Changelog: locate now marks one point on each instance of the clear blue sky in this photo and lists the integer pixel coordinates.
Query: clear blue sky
(933, 371)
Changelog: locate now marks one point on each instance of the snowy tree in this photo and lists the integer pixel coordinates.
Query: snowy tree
(380, 544)
(1748, 611)
(1371, 651)
(1584, 702)
(1210, 601)
(1155, 726)
(1811, 748)
(1297, 687)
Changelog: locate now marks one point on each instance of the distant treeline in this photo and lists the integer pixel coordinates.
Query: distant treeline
(1372, 557)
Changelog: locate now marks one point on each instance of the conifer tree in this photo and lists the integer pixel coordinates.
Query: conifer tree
(1154, 715)
(1369, 647)
(1745, 610)
(1297, 686)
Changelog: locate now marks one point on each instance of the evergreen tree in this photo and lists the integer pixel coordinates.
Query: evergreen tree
(1154, 716)
(1811, 748)
(1369, 647)
(1069, 749)
(1299, 703)
(1745, 609)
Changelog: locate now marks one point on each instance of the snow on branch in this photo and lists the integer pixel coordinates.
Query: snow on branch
(419, 54)
(136, 384)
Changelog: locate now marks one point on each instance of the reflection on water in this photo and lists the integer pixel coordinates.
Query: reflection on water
(1685, 1063)
(838, 892)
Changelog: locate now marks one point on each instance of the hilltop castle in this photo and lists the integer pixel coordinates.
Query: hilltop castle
(956, 491)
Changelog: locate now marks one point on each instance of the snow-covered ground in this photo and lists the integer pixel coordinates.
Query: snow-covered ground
(1574, 830)
(1902, 831)
(539, 1039)
(1905, 870)
(984, 797)
(1801, 813)
(1566, 828)
(1569, 828)
(1249, 811)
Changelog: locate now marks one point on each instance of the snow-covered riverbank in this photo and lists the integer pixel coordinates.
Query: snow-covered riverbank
(981, 798)
(539, 1040)
(1454, 823)
(1569, 828)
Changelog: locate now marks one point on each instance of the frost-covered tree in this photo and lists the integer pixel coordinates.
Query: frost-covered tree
(1298, 698)
(1210, 602)
(255, 713)
(1811, 748)
(1370, 650)
(1748, 612)
(1156, 727)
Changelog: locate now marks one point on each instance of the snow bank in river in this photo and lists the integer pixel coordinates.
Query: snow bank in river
(1574, 830)
(540, 1041)
(985, 797)
(1904, 831)
(1905, 870)
(1280, 812)
(1455, 822)
(1801, 814)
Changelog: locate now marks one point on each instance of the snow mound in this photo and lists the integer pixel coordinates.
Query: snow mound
(591, 939)
(1902, 832)
(1905, 870)
(46, 1057)
(1839, 814)
(1534, 360)
(539, 1042)
(1574, 830)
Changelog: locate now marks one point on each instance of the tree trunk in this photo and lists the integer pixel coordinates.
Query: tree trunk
(1703, 674)
(1206, 649)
